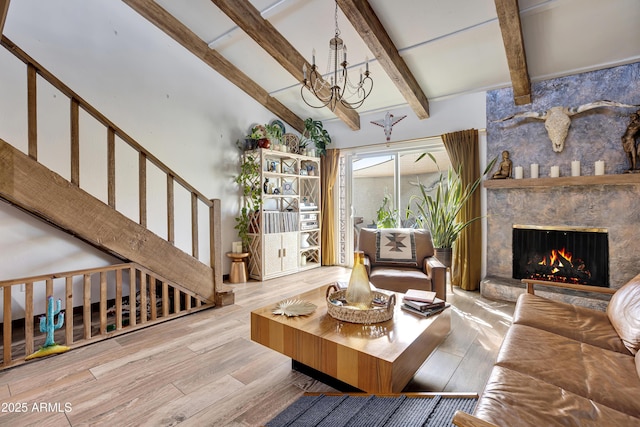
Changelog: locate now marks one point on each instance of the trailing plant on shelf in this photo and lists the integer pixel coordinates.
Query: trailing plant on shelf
(315, 132)
(248, 180)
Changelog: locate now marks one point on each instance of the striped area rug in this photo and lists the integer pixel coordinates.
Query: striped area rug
(372, 411)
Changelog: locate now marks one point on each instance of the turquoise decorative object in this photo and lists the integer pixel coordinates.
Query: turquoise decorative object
(49, 326)
(46, 323)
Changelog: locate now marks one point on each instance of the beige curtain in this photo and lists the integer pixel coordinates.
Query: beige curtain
(462, 148)
(329, 170)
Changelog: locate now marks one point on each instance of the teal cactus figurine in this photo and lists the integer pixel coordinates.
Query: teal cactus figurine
(49, 326)
(46, 323)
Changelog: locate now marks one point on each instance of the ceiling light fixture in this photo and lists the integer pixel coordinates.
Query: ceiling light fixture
(340, 90)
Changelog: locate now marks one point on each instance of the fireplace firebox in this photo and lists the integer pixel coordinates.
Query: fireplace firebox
(561, 254)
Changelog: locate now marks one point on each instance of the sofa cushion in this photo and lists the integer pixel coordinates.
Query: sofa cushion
(592, 372)
(512, 398)
(624, 313)
(571, 321)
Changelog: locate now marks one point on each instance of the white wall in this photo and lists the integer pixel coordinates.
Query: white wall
(160, 94)
(164, 97)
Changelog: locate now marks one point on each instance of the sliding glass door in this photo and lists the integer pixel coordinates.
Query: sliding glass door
(376, 190)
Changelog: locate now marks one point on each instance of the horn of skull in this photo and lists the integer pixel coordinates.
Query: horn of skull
(557, 120)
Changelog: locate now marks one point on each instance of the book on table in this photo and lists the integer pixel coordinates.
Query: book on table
(425, 313)
(420, 295)
(422, 306)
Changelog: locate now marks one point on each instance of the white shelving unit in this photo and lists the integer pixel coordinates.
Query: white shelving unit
(285, 233)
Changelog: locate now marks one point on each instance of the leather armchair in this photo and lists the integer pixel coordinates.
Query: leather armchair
(427, 273)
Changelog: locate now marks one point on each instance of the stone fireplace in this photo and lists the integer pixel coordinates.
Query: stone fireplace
(578, 256)
(588, 201)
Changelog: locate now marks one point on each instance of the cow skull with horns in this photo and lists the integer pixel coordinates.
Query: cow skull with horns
(557, 120)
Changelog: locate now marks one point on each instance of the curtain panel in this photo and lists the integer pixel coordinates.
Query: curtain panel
(329, 168)
(463, 151)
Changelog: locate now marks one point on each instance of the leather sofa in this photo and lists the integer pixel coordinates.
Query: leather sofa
(562, 364)
(422, 271)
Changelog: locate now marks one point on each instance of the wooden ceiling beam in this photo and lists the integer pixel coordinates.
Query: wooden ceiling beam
(162, 19)
(249, 19)
(4, 9)
(366, 22)
(510, 25)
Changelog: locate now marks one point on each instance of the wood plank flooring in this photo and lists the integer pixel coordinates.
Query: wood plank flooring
(203, 369)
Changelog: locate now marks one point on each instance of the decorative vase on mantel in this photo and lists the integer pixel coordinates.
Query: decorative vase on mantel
(444, 255)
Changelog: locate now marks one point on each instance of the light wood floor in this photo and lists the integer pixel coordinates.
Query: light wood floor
(203, 369)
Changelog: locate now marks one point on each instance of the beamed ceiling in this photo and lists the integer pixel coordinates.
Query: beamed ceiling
(420, 50)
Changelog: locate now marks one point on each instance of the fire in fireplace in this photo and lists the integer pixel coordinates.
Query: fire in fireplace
(561, 254)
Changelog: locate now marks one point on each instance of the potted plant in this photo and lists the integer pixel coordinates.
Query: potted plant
(386, 217)
(315, 132)
(438, 213)
(248, 179)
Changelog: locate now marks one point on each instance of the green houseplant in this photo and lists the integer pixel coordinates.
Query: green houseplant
(438, 212)
(248, 180)
(315, 132)
(386, 217)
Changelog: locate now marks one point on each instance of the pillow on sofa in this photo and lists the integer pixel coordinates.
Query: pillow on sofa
(624, 314)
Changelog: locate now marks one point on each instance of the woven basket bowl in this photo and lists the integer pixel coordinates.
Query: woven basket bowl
(352, 315)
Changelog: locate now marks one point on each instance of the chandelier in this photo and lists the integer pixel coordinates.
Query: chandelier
(340, 89)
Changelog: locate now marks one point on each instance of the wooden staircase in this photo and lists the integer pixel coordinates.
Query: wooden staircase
(63, 203)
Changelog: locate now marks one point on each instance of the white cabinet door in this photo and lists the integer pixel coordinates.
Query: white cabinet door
(290, 251)
(272, 252)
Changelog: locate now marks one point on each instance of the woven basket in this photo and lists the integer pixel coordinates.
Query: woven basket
(353, 315)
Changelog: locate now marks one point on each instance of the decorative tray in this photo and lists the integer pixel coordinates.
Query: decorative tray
(381, 311)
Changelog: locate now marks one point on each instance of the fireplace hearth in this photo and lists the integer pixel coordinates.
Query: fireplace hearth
(561, 254)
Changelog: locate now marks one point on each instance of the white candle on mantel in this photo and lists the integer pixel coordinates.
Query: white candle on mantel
(555, 171)
(575, 168)
(534, 170)
(518, 172)
(600, 167)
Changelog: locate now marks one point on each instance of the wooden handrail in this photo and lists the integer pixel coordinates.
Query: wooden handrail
(142, 283)
(172, 178)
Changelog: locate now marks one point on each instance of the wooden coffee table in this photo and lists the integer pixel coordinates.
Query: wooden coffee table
(376, 358)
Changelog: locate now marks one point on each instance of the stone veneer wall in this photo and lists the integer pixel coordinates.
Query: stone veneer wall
(594, 135)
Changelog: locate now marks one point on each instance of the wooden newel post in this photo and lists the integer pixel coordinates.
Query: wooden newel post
(215, 233)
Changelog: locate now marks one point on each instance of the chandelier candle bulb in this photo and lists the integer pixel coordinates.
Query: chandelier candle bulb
(575, 168)
(534, 170)
(518, 172)
(555, 172)
(600, 167)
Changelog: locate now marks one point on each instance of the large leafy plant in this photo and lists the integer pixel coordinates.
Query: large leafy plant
(315, 132)
(438, 212)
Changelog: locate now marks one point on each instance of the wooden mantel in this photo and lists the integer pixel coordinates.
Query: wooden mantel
(564, 181)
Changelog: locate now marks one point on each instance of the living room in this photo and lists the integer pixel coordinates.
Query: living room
(191, 118)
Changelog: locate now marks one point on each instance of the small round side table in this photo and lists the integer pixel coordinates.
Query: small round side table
(238, 272)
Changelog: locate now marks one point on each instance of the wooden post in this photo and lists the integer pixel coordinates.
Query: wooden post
(111, 167)
(86, 307)
(6, 330)
(171, 235)
(195, 250)
(28, 318)
(68, 324)
(142, 188)
(215, 231)
(75, 142)
(32, 111)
